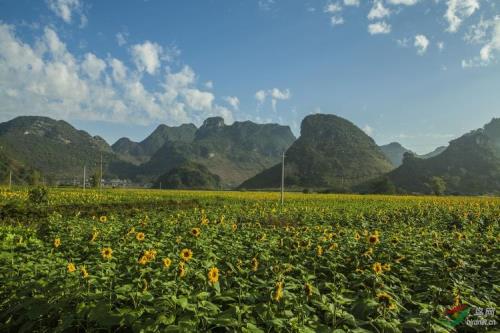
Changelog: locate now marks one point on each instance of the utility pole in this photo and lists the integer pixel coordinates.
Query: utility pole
(160, 185)
(100, 176)
(283, 178)
(10, 180)
(84, 176)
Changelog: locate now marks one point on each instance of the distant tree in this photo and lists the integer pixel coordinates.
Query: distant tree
(384, 186)
(437, 185)
(95, 179)
(34, 178)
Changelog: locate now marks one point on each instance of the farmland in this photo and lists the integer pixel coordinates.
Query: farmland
(186, 261)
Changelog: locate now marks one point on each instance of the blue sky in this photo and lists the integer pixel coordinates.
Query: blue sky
(420, 72)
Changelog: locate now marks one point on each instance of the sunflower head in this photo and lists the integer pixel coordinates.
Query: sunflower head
(308, 288)
(57, 242)
(386, 267)
(186, 254)
(255, 264)
(140, 236)
(94, 235)
(150, 254)
(195, 232)
(213, 275)
(319, 251)
(234, 227)
(103, 218)
(278, 291)
(107, 253)
(167, 262)
(357, 236)
(374, 238)
(71, 267)
(143, 260)
(377, 268)
(384, 298)
(182, 269)
(85, 274)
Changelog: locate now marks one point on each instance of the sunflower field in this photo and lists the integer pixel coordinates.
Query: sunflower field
(187, 261)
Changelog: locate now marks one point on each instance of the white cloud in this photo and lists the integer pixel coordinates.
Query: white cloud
(457, 11)
(378, 11)
(336, 20)
(274, 94)
(402, 2)
(379, 28)
(489, 37)
(368, 130)
(477, 33)
(209, 85)
(260, 96)
(199, 100)
(93, 66)
(421, 44)
(121, 38)
(335, 10)
(233, 101)
(440, 46)
(352, 3)
(266, 5)
(147, 56)
(65, 9)
(46, 79)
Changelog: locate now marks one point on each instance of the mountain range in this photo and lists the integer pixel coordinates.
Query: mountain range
(331, 154)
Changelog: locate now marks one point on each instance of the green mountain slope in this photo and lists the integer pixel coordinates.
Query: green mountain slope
(141, 152)
(395, 152)
(54, 148)
(470, 165)
(188, 175)
(233, 152)
(331, 153)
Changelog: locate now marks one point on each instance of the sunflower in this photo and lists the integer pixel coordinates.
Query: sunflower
(384, 298)
(178, 239)
(368, 253)
(150, 255)
(95, 233)
(107, 253)
(85, 274)
(143, 260)
(140, 236)
(278, 291)
(319, 251)
(377, 268)
(333, 246)
(374, 238)
(195, 232)
(308, 288)
(186, 254)
(57, 242)
(71, 267)
(234, 227)
(167, 262)
(213, 275)
(182, 269)
(386, 267)
(255, 264)
(399, 259)
(357, 236)
(103, 218)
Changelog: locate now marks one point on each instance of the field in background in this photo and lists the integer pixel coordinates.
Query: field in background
(132, 260)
